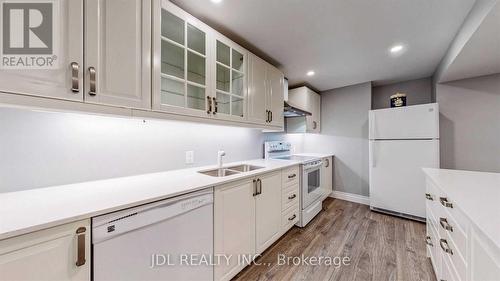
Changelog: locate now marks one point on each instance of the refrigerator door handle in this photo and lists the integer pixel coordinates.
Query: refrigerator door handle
(371, 124)
(372, 154)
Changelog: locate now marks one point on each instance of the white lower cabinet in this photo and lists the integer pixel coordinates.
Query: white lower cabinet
(457, 249)
(327, 176)
(234, 226)
(268, 211)
(249, 216)
(58, 253)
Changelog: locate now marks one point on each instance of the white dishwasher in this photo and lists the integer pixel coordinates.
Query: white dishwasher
(170, 239)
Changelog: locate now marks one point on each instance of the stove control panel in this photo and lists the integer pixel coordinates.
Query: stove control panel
(276, 148)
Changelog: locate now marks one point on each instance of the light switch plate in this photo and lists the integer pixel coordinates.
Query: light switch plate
(189, 157)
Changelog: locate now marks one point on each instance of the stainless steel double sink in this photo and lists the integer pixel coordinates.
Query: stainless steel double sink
(231, 170)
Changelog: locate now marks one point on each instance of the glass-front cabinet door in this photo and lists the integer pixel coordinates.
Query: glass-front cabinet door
(230, 77)
(180, 62)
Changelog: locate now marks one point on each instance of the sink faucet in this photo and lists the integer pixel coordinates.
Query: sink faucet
(219, 157)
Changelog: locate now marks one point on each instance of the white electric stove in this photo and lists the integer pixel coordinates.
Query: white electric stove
(310, 178)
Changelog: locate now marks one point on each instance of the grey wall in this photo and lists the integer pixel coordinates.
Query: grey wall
(39, 149)
(470, 123)
(476, 15)
(418, 91)
(344, 131)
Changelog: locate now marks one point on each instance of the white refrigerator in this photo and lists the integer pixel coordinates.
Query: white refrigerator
(403, 140)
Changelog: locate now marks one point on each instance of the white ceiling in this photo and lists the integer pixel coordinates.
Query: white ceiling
(344, 41)
(481, 54)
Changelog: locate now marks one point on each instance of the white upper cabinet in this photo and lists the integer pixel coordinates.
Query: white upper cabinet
(181, 73)
(265, 93)
(118, 52)
(276, 82)
(63, 80)
(310, 101)
(257, 90)
(230, 76)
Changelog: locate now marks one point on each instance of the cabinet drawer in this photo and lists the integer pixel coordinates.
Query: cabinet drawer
(291, 175)
(449, 273)
(456, 259)
(290, 217)
(290, 196)
(442, 203)
(448, 225)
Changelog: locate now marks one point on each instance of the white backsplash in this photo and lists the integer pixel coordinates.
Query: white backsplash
(40, 149)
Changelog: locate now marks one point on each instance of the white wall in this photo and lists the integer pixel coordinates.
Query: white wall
(39, 149)
(470, 123)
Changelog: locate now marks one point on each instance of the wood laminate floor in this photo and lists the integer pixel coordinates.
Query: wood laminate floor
(380, 247)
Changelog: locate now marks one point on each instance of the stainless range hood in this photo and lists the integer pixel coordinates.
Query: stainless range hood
(294, 111)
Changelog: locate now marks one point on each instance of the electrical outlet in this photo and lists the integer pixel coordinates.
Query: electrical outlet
(189, 157)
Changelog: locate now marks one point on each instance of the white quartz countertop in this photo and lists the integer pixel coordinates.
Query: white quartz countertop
(319, 155)
(31, 210)
(477, 194)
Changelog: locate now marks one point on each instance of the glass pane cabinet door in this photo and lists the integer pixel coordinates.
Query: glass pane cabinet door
(230, 80)
(183, 63)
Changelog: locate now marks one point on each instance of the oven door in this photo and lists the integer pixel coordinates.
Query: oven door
(311, 185)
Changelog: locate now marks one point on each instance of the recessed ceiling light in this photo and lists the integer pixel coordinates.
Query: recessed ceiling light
(216, 1)
(310, 73)
(396, 49)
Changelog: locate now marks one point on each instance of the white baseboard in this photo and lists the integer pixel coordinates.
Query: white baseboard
(351, 197)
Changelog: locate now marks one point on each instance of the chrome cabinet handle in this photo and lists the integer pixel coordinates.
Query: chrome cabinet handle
(292, 176)
(444, 224)
(254, 188)
(428, 241)
(215, 105)
(444, 201)
(292, 196)
(75, 83)
(292, 217)
(428, 196)
(444, 245)
(209, 103)
(80, 233)
(92, 81)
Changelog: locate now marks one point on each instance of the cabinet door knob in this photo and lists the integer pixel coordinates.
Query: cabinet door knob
(428, 241)
(428, 196)
(92, 81)
(75, 83)
(444, 245)
(80, 233)
(444, 201)
(444, 224)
